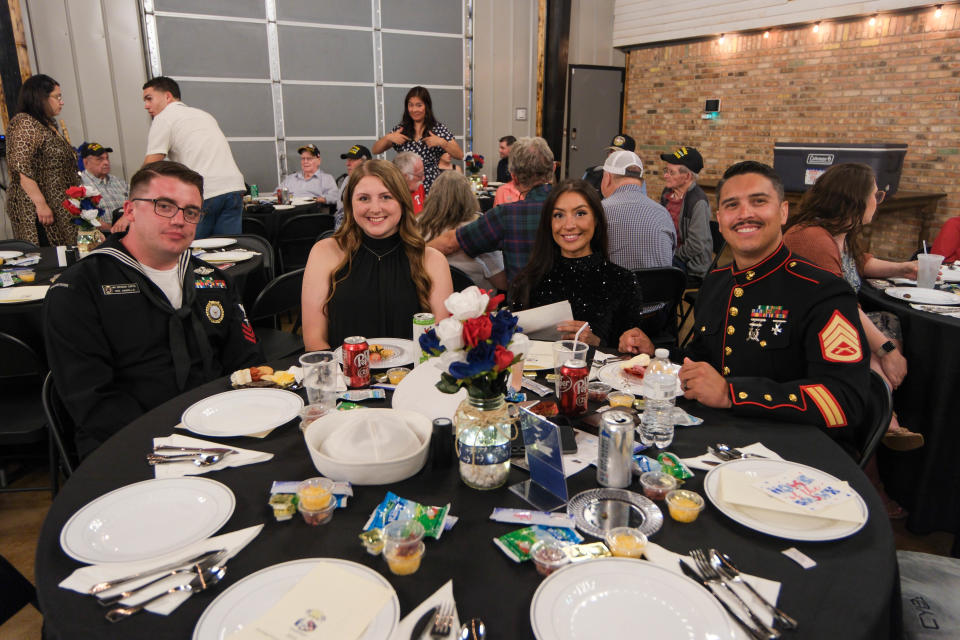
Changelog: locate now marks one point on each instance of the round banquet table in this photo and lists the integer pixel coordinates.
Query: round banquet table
(853, 592)
(924, 481)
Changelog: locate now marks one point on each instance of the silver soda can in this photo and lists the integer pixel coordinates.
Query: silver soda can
(422, 322)
(615, 457)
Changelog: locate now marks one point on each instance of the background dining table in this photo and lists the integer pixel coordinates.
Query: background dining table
(852, 592)
(924, 481)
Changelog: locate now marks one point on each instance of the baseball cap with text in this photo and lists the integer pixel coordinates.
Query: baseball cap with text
(623, 141)
(93, 149)
(312, 148)
(688, 157)
(356, 151)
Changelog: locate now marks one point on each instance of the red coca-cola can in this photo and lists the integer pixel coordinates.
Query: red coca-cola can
(356, 362)
(573, 387)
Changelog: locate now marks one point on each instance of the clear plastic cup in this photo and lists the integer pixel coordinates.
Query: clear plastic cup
(320, 372)
(598, 391)
(656, 484)
(684, 505)
(564, 350)
(396, 374)
(404, 563)
(315, 517)
(315, 493)
(620, 399)
(548, 556)
(402, 536)
(928, 267)
(626, 542)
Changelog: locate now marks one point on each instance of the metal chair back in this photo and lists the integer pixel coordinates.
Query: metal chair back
(879, 411)
(297, 236)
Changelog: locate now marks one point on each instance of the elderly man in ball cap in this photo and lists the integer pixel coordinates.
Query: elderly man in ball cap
(96, 174)
(355, 156)
(619, 142)
(690, 211)
(310, 181)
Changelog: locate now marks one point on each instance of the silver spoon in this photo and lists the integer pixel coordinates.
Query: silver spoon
(200, 459)
(724, 451)
(473, 629)
(213, 563)
(200, 582)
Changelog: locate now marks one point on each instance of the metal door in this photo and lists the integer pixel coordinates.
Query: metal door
(594, 114)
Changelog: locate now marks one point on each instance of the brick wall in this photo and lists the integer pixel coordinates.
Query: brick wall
(895, 82)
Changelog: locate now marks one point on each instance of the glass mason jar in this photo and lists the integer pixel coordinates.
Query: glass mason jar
(483, 428)
(88, 240)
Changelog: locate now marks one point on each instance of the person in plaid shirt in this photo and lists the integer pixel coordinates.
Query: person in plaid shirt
(510, 228)
(96, 174)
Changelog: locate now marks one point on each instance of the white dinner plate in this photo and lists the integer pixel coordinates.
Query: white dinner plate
(625, 598)
(403, 352)
(28, 293)
(950, 273)
(242, 412)
(226, 256)
(301, 200)
(212, 243)
(9, 255)
(613, 375)
(923, 296)
(147, 519)
(778, 523)
(282, 207)
(418, 392)
(253, 596)
(494, 183)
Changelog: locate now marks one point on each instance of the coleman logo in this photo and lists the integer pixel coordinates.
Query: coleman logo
(825, 159)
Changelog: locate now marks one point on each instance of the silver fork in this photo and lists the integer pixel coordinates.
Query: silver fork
(712, 576)
(725, 566)
(443, 622)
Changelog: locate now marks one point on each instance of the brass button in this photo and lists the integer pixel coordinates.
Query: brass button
(742, 395)
(767, 397)
(727, 350)
(731, 330)
(792, 397)
(726, 371)
(738, 292)
(734, 311)
(751, 275)
(793, 264)
(763, 343)
(703, 328)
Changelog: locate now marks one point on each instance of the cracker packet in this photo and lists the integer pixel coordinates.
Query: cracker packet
(394, 508)
(517, 544)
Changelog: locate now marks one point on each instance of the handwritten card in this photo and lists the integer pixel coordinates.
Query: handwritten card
(804, 490)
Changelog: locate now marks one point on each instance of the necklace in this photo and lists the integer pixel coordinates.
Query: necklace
(379, 255)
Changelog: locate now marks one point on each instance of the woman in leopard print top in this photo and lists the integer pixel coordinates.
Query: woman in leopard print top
(42, 166)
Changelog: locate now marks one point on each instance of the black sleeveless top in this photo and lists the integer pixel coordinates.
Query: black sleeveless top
(378, 299)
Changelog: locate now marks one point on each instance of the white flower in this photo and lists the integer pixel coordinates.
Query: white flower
(90, 215)
(89, 192)
(520, 344)
(450, 334)
(469, 303)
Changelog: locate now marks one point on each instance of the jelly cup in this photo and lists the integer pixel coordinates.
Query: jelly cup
(626, 542)
(26, 275)
(598, 391)
(315, 494)
(404, 561)
(548, 556)
(684, 505)
(620, 399)
(656, 484)
(315, 517)
(397, 374)
(402, 536)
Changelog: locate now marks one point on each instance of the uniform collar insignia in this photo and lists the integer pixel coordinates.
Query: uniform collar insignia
(203, 271)
(755, 273)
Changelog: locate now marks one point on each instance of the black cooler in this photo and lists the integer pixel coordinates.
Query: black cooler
(799, 164)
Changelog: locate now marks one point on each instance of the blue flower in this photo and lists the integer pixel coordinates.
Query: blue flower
(480, 359)
(430, 344)
(504, 326)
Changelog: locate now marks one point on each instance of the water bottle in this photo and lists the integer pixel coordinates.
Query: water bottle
(660, 386)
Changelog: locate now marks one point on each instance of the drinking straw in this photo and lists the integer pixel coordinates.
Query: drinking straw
(576, 338)
(924, 245)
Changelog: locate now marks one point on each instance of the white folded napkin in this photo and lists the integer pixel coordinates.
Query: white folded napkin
(440, 597)
(697, 462)
(770, 589)
(187, 468)
(735, 487)
(83, 579)
(599, 359)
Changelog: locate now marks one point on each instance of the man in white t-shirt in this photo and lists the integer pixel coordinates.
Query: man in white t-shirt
(192, 137)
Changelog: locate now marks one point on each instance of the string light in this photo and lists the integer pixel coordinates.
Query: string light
(766, 34)
(816, 27)
(721, 38)
(939, 11)
(873, 20)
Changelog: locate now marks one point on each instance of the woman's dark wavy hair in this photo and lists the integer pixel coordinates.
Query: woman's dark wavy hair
(33, 97)
(429, 122)
(837, 202)
(545, 249)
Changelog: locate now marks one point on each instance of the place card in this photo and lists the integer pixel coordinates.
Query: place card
(329, 602)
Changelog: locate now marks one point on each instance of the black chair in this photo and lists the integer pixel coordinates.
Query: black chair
(690, 297)
(254, 226)
(61, 430)
(461, 280)
(326, 234)
(18, 245)
(281, 295)
(17, 591)
(297, 236)
(661, 286)
(879, 411)
(23, 427)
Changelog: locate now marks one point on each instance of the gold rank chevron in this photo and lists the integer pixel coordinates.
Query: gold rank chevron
(829, 408)
(840, 341)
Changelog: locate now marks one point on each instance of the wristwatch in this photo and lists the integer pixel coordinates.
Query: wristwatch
(886, 348)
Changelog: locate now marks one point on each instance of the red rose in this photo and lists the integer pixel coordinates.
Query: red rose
(95, 199)
(502, 358)
(69, 207)
(494, 301)
(476, 330)
(76, 192)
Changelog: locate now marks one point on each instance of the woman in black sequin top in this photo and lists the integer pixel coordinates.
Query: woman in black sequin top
(570, 262)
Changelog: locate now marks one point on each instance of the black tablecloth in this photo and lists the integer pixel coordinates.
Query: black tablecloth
(924, 481)
(23, 319)
(852, 593)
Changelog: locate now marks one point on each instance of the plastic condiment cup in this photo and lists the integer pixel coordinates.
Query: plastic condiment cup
(26, 275)
(319, 516)
(620, 399)
(397, 374)
(684, 505)
(626, 542)
(404, 562)
(547, 556)
(656, 484)
(402, 536)
(598, 391)
(315, 494)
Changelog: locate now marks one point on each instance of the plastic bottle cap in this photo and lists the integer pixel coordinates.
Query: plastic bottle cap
(661, 353)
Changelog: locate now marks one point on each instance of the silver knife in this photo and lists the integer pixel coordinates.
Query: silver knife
(692, 574)
(423, 622)
(110, 584)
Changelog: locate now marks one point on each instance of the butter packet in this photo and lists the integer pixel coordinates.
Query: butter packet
(517, 544)
(395, 508)
(359, 395)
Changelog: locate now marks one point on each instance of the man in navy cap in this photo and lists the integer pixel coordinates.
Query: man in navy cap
(96, 174)
(620, 142)
(310, 181)
(354, 157)
(690, 211)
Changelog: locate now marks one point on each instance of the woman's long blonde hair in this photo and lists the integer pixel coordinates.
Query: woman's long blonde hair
(451, 202)
(350, 236)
